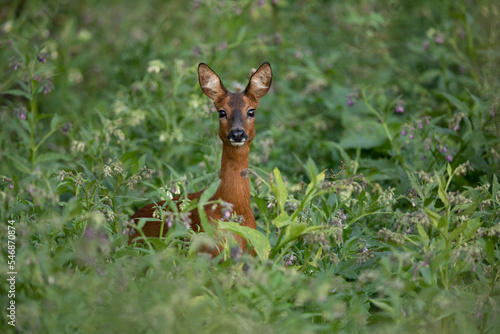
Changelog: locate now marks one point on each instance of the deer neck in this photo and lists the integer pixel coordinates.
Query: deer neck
(234, 187)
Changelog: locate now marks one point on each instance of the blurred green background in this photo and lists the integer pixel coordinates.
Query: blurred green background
(391, 88)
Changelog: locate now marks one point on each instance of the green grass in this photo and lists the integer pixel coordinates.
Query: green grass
(374, 169)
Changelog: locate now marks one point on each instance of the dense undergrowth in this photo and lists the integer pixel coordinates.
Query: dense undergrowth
(374, 171)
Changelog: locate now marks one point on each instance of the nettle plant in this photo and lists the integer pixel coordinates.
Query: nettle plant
(454, 230)
(33, 76)
(103, 193)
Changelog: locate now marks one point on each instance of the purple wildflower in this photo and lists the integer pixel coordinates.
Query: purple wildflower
(449, 158)
(439, 38)
(66, 128)
(11, 186)
(400, 107)
(196, 51)
(350, 103)
(235, 252)
(403, 133)
(223, 46)
(412, 136)
(20, 112)
(278, 39)
(42, 57)
(261, 3)
(456, 128)
(48, 87)
(14, 64)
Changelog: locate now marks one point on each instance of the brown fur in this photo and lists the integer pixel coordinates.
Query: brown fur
(234, 187)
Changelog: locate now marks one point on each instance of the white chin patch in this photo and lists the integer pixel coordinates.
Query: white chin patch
(237, 143)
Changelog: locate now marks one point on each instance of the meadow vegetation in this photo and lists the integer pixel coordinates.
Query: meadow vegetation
(374, 171)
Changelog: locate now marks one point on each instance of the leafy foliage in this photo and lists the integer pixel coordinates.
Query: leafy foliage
(102, 113)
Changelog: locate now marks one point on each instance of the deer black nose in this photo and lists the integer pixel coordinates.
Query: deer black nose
(237, 135)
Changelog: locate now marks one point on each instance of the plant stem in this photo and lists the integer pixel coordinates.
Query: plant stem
(378, 115)
(34, 112)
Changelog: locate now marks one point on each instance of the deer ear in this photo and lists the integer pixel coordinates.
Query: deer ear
(260, 82)
(210, 82)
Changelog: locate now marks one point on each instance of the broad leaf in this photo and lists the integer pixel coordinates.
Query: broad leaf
(254, 237)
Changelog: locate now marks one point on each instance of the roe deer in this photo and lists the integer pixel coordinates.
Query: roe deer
(236, 130)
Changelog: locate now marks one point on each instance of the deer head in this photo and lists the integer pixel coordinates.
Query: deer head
(236, 110)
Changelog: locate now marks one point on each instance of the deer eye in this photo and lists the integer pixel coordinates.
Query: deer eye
(251, 113)
(222, 114)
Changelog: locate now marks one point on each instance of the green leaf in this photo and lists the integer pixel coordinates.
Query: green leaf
(209, 192)
(280, 191)
(429, 75)
(254, 237)
(311, 169)
(366, 134)
(261, 203)
(433, 216)
(311, 187)
(382, 306)
(311, 191)
(282, 220)
(241, 35)
(495, 187)
(457, 103)
(54, 122)
(474, 225)
(423, 235)
(468, 209)
(293, 232)
(414, 182)
(456, 232)
(17, 92)
(205, 197)
(443, 196)
(19, 163)
(52, 156)
(342, 152)
(90, 176)
(490, 251)
(441, 223)
(449, 171)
